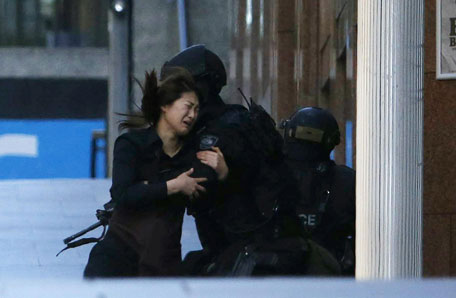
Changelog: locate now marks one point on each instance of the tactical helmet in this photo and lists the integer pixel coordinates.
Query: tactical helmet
(202, 63)
(312, 125)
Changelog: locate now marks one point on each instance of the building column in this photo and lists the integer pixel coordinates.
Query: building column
(389, 139)
(119, 70)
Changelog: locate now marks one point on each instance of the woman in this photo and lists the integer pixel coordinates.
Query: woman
(152, 181)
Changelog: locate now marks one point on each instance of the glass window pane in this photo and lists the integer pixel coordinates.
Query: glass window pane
(54, 23)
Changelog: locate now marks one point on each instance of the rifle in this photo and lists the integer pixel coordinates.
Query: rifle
(103, 220)
(252, 258)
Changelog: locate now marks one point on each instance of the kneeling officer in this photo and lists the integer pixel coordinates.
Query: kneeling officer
(326, 205)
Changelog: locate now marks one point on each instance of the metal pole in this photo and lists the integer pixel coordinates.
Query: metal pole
(118, 71)
(181, 13)
(389, 139)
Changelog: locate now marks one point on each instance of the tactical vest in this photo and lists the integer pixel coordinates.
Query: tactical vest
(326, 208)
(253, 151)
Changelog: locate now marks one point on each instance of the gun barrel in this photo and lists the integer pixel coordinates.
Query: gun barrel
(79, 234)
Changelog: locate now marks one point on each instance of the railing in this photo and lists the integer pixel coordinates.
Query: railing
(95, 147)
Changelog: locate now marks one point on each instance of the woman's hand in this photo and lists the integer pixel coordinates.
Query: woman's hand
(186, 185)
(215, 160)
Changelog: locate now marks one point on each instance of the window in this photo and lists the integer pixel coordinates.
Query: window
(54, 23)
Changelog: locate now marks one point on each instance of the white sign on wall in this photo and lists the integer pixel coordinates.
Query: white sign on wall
(446, 39)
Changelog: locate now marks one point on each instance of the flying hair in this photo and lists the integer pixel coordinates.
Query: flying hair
(157, 94)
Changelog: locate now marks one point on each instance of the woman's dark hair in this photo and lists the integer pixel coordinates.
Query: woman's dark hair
(158, 94)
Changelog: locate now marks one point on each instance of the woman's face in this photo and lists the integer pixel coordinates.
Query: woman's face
(182, 113)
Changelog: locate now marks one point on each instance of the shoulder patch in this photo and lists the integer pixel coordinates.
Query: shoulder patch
(207, 141)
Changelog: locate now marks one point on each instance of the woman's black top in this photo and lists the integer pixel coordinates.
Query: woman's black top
(141, 169)
(144, 215)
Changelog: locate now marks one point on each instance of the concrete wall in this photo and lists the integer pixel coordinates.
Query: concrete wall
(87, 63)
(208, 23)
(156, 32)
(155, 37)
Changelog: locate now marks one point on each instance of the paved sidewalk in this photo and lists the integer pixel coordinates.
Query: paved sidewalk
(36, 215)
(227, 288)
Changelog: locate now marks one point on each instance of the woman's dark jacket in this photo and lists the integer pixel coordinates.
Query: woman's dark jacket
(145, 217)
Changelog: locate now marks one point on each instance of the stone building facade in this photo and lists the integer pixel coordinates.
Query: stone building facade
(293, 53)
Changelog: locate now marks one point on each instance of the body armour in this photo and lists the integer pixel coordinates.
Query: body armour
(257, 188)
(326, 207)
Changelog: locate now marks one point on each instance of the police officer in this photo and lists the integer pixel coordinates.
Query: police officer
(254, 205)
(327, 191)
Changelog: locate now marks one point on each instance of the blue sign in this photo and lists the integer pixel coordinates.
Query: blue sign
(48, 148)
